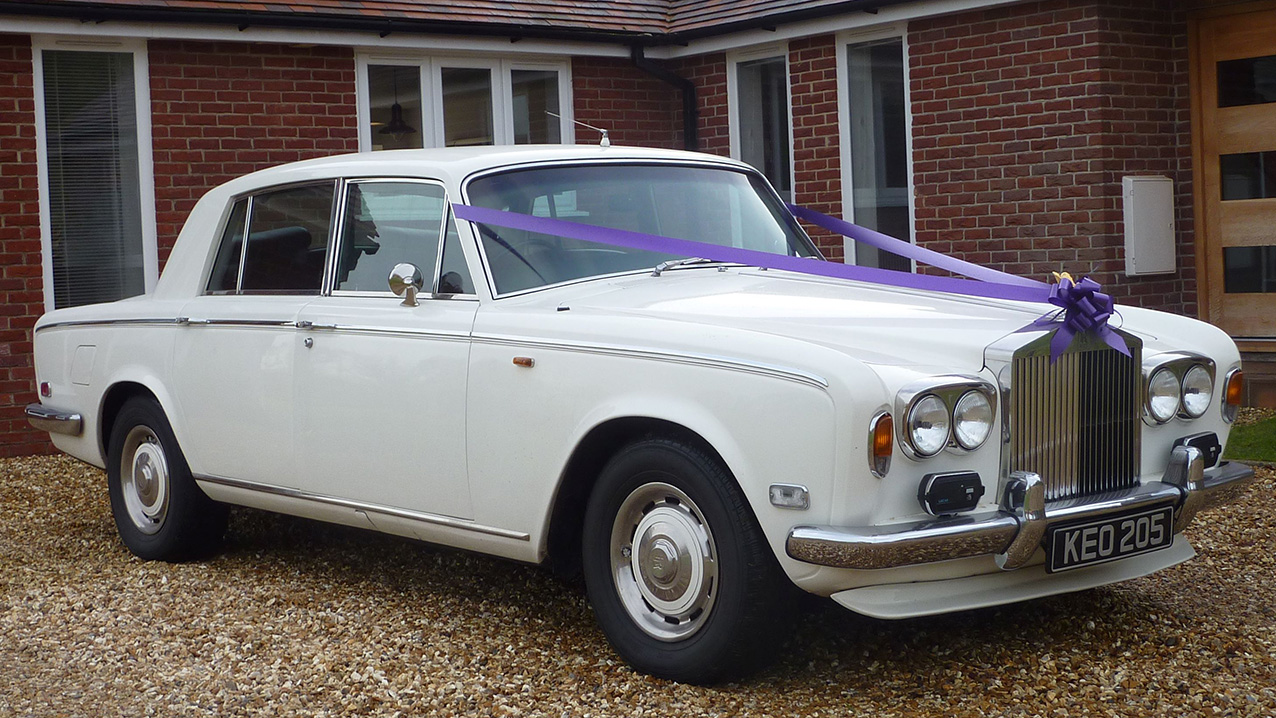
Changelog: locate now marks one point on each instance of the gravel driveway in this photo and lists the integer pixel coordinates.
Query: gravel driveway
(296, 617)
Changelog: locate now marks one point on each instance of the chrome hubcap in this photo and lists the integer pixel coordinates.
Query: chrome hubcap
(664, 562)
(144, 479)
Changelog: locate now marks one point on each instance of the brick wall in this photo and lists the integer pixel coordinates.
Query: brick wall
(21, 281)
(816, 149)
(1024, 120)
(635, 108)
(221, 110)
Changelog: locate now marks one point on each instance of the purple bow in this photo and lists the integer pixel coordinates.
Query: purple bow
(1085, 309)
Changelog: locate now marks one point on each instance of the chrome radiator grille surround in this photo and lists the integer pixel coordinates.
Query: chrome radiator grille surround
(1076, 422)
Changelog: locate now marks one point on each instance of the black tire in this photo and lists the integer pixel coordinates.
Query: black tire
(738, 606)
(161, 514)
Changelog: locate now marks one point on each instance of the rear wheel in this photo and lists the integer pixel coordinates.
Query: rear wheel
(159, 511)
(681, 578)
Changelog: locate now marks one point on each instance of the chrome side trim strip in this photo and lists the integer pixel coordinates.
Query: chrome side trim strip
(435, 519)
(109, 322)
(56, 422)
(707, 360)
(397, 332)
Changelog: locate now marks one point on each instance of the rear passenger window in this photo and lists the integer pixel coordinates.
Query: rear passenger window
(225, 276)
(387, 223)
(288, 240)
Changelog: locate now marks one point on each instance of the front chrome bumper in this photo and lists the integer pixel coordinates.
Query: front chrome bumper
(1013, 532)
(57, 422)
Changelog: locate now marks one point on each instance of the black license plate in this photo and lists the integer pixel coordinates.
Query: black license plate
(1109, 539)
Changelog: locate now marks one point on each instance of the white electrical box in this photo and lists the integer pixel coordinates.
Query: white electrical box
(1148, 210)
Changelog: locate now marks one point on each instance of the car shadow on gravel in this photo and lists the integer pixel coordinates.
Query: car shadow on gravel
(827, 645)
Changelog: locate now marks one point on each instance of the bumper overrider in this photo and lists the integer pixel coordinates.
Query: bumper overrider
(1014, 531)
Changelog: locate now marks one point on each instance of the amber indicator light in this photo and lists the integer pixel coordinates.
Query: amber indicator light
(883, 437)
(1235, 388)
(526, 362)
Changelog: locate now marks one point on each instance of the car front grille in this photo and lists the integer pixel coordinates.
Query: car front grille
(1076, 422)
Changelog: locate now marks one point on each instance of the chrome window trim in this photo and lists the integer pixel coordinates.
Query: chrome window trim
(1178, 362)
(518, 167)
(708, 360)
(949, 388)
(421, 516)
(330, 278)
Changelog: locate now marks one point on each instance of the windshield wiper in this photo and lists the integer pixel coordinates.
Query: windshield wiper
(670, 264)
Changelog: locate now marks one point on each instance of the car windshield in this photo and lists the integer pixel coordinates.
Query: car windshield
(704, 204)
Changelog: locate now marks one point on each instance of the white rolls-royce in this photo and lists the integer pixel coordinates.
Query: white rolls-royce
(340, 339)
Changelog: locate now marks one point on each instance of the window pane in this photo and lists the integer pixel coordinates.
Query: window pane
(535, 94)
(288, 240)
(387, 223)
(879, 147)
(1249, 175)
(225, 275)
(467, 107)
(455, 278)
(394, 104)
(94, 186)
(1248, 270)
(764, 120)
(709, 205)
(1251, 81)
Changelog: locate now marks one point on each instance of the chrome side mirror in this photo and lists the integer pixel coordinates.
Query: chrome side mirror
(405, 281)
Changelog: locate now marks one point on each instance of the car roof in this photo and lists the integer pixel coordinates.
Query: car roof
(456, 163)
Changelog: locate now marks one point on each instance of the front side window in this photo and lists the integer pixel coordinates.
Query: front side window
(387, 223)
(287, 240)
(719, 206)
(459, 103)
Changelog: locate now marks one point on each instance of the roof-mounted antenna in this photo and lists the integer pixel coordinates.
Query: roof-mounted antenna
(604, 142)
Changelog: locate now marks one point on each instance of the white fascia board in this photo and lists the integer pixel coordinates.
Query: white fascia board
(850, 20)
(364, 41)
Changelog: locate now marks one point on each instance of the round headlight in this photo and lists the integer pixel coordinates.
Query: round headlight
(972, 419)
(1198, 390)
(1163, 396)
(928, 425)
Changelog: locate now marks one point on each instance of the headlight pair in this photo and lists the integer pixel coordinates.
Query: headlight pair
(956, 414)
(1178, 385)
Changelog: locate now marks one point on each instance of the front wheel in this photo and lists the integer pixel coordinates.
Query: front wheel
(681, 578)
(159, 511)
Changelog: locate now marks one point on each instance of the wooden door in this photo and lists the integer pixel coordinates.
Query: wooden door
(1234, 132)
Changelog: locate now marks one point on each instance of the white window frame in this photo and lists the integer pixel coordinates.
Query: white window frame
(431, 73)
(145, 161)
(734, 59)
(898, 31)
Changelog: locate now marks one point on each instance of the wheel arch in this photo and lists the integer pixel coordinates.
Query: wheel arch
(579, 475)
(114, 398)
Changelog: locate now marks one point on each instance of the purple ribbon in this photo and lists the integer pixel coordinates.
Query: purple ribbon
(1084, 307)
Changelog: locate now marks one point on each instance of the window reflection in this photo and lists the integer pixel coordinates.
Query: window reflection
(394, 107)
(1249, 175)
(1249, 270)
(467, 106)
(763, 87)
(1249, 81)
(535, 94)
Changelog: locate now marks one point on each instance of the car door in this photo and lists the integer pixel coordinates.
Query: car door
(233, 362)
(381, 386)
